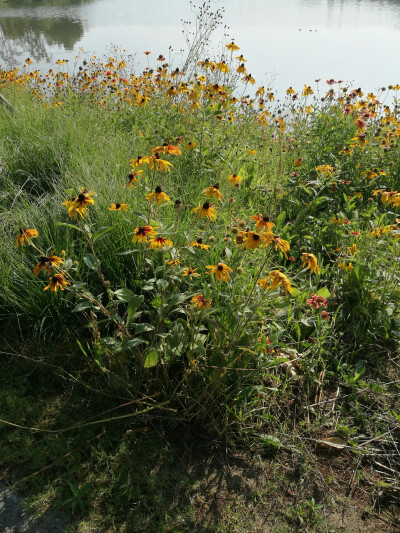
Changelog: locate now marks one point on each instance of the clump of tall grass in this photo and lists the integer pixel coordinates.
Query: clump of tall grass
(204, 252)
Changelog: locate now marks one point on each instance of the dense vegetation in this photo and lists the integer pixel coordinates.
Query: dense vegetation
(188, 253)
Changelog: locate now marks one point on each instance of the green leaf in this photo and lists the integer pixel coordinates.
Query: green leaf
(151, 359)
(323, 292)
(128, 252)
(91, 261)
(102, 232)
(133, 304)
(67, 225)
(298, 331)
(280, 219)
(81, 306)
(162, 284)
(156, 302)
(132, 343)
(143, 328)
(124, 295)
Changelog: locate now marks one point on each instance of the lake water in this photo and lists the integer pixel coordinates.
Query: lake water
(286, 42)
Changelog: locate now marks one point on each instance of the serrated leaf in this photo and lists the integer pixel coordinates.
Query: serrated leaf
(102, 232)
(151, 359)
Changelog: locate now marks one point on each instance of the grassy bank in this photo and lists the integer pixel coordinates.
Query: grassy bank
(192, 257)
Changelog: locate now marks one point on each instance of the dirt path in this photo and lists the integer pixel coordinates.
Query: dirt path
(15, 519)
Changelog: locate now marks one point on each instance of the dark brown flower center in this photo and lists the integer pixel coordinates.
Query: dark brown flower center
(43, 260)
(158, 189)
(220, 266)
(157, 155)
(265, 219)
(54, 279)
(165, 144)
(256, 237)
(118, 206)
(206, 205)
(199, 241)
(234, 175)
(81, 197)
(216, 186)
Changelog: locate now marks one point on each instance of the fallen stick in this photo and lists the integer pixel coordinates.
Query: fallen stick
(4, 101)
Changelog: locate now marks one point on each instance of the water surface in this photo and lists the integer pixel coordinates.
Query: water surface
(286, 42)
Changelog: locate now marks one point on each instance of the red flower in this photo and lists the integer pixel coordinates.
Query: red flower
(317, 301)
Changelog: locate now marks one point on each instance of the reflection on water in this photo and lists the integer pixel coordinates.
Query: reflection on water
(286, 42)
(24, 31)
(33, 37)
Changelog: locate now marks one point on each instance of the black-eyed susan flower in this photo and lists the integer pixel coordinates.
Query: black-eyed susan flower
(235, 180)
(307, 91)
(274, 280)
(213, 191)
(156, 162)
(298, 162)
(200, 244)
(263, 222)
(232, 47)
(222, 66)
(143, 233)
(132, 177)
(118, 207)
(167, 149)
(310, 261)
(191, 145)
(220, 271)
(173, 263)
(79, 203)
(191, 272)
(25, 235)
(251, 152)
(141, 160)
(205, 210)
(281, 244)
(160, 242)
(45, 263)
(57, 281)
(346, 151)
(159, 196)
(241, 69)
(248, 78)
(201, 302)
(252, 240)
